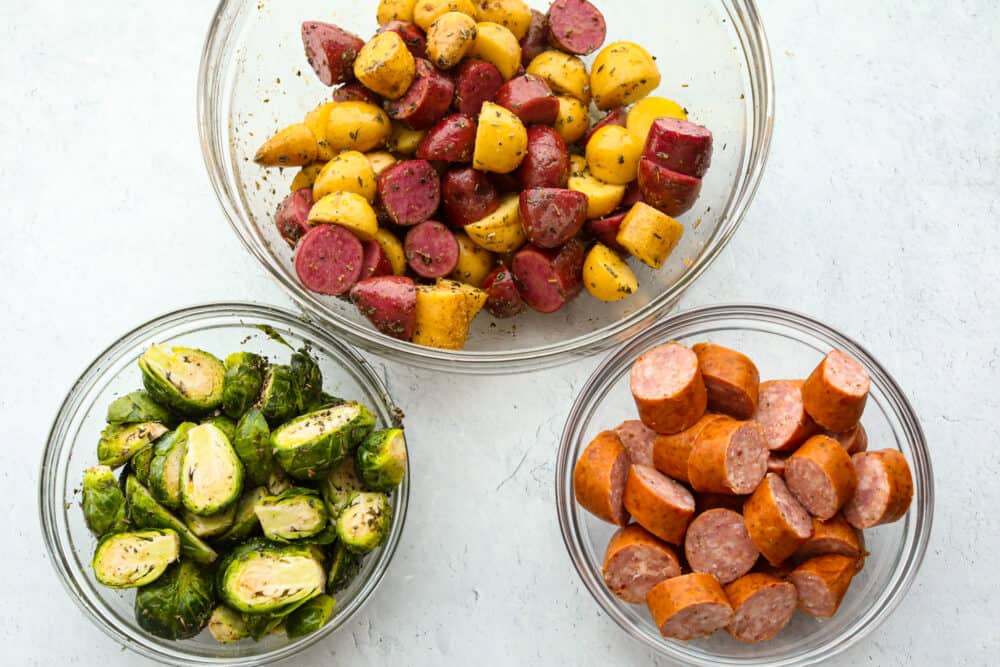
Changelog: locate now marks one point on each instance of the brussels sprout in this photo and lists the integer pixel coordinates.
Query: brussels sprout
(279, 400)
(381, 460)
(136, 408)
(364, 524)
(226, 625)
(128, 560)
(183, 379)
(324, 400)
(278, 482)
(325, 537)
(242, 383)
(261, 625)
(310, 617)
(308, 378)
(140, 461)
(295, 514)
(211, 473)
(252, 443)
(344, 566)
(224, 424)
(179, 604)
(165, 468)
(262, 577)
(245, 521)
(212, 525)
(103, 501)
(120, 441)
(145, 512)
(339, 487)
(307, 447)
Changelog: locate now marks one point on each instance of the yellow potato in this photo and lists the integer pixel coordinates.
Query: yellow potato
(475, 297)
(515, 15)
(474, 263)
(380, 161)
(393, 249)
(649, 235)
(404, 140)
(501, 231)
(348, 172)
(346, 209)
(385, 66)
(426, 12)
(647, 110)
(357, 126)
(501, 140)
(306, 176)
(317, 121)
(395, 10)
(573, 120)
(602, 198)
(293, 146)
(613, 155)
(497, 45)
(622, 73)
(606, 275)
(443, 316)
(450, 38)
(565, 74)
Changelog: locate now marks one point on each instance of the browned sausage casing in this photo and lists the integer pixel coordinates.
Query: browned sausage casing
(599, 478)
(885, 489)
(776, 464)
(731, 378)
(821, 583)
(853, 441)
(778, 525)
(717, 543)
(635, 561)
(728, 457)
(668, 389)
(782, 415)
(762, 606)
(689, 607)
(835, 393)
(833, 536)
(658, 504)
(638, 440)
(821, 476)
(671, 452)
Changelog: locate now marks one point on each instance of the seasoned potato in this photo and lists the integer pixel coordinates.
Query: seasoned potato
(395, 10)
(385, 65)
(501, 231)
(475, 297)
(357, 126)
(393, 249)
(497, 45)
(306, 176)
(346, 209)
(317, 121)
(293, 146)
(606, 275)
(613, 155)
(649, 235)
(450, 38)
(565, 74)
(501, 140)
(474, 263)
(348, 172)
(426, 12)
(443, 316)
(602, 198)
(647, 110)
(515, 15)
(380, 161)
(405, 140)
(623, 73)
(573, 120)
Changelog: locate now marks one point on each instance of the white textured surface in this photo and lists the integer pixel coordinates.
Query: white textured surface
(879, 214)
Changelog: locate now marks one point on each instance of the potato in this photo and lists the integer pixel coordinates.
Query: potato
(649, 235)
(622, 73)
(606, 275)
(317, 121)
(426, 12)
(647, 110)
(501, 140)
(357, 126)
(395, 10)
(293, 146)
(475, 297)
(385, 66)
(565, 74)
(474, 263)
(443, 316)
(515, 15)
(450, 38)
(306, 176)
(348, 210)
(348, 172)
(602, 198)
(497, 45)
(393, 249)
(405, 140)
(380, 161)
(501, 231)
(573, 120)
(613, 155)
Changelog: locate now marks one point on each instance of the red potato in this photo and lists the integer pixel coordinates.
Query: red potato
(782, 415)
(390, 303)
(328, 260)
(762, 606)
(717, 543)
(691, 606)
(680, 146)
(833, 536)
(821, 476)
(605, 230)
(431, 250)
(546, 163)
(292, 217)
(476, 81)
(355, 92)
(638, 440)
(376, 263)
(576, 26)
(728, 457)
(778, 525)
(669, 191)
(469, 196)
(549, 279)
(614, 117)
(635, 561)
(453, 139)
(885, 489)
(822, 582)
(671, 452)
(331, 51)
(411, 34)
(410, 192)
(853, 441)
(835, 392)
(633, 195)
(658, 504)
(535, 41)
(426, 101)
(668, 389)
(502, 298)
(551, 217)
(731, 378)
(599, 478)
(530, 99)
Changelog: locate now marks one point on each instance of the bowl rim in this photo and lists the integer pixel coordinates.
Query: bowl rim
(48, 503)
(749, 29)
(611, 369)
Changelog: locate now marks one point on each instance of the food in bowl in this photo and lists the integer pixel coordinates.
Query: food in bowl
(738, 501)
(459, 149)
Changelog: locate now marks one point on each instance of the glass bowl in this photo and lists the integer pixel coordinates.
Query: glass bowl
(714, 58)
(783, 345)
(71, 447)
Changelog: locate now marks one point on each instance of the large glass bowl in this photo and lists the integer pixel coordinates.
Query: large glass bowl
(783, 345)
(218, 328)
(714, 58)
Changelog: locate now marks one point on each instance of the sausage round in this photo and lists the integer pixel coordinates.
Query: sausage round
(549, 279)
(731, 378)
(835, 393)
(885, 489)
(355, 92)
(477, 81)
(502, 298)
(410, 192)
(717, 543)
(728, 457)
(328, 260)
(658, 504)
(292, 217)
(546, 161)
(432, 250)
(671, 452)
(820, 476)
(668, 389)
(412, 35)
(552, 216)
(599, 478)
(822, 582)
(451, 140)
(390, 303)
(762, 607)
(469, 196)
(638, 440)
(781, 414)
(375, 263)
(530, 99)
(833, 536)
(617, 117)
(690, 606)
(680, 146)
(703, 502)
(534, 41)
(669, 191)
(776, 463)
(331, 51)
(853, 441)
(605, 230)
(576, 26)
(635, 561)
(778, 525)
(427, 99)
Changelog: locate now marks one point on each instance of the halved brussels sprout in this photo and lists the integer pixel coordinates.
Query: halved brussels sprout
(165, 467)
(262, 577)
(120, 441)
(136, 408)
(344, 566)
(224, 423)
(212, 525)
(103, 501)
(179, 604)
(226, 625)
(140, 461)
(279, 399)
(295, 514)
(310, 617)
(308, 378)
(364, 524)
(261, 625)
(307, 447)
(211, 473)
(340, 486)
(128, 560)
(381, 460)
(252, 443)
(245, 522)
(183, 379)
(145, 512)
(278, 481)
(243, 381)
(324, 400)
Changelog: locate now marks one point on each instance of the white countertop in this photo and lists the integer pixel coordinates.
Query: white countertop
(884, 171)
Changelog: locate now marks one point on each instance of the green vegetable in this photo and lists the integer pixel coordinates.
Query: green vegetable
(211, 473)
(140, 461)
(242, 383)
(179, 604)
(310, 617)
(224, 424)
(339, 487)
(261, 625)
(381, 460)
(120, 441)
(308, 378)
(262, 577)
(136, 408)
(226, 625)
(212, 525)
(295, 514)
(145, 512)
(245, 521)
(344, 566)
(186, 380)
(279, 400)
(278, 482)
(324, 400)
(165, 466)
(103, 501)
(128, 560)
(307, 447)
(364, 524)
(252, 443)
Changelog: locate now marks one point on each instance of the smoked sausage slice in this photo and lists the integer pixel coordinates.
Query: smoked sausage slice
(820, 476)
(576, 26)
(432, 250)
(835, 393)
(292, 218)
(782, 415)
(502, 298)
(551, 217)
(546, 161)
(822, 582)
(670, 191)
(534, 41)
(731, 378)
(679, 146)
(853, 441)
(671, 452)
(885, 489)
(328, 260)
(717, 543)
(833, 536)
(390, 302)
(549, 279)
(635, 561)
(331, 51)
(762, 607)
(778, 525)
(476, 81)
(638, 440)
(668, 389)
(469, 196)
(599, 478)
(451, 140)
(658, 504)
(728, 457)
(427, 99)
(530, 99)
(776, 463)
(410, 192)
(690, 606)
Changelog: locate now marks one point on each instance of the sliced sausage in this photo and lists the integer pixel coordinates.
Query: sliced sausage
(432, 250)
(476, 81)
(451, 140)
(728, 457)
(469, 196)
(822, 582)
(690, 606)
(328, 260)
(410, 192)
(549, 279)
(331, 51)
(704, 502)
(617, 117)
(833, 536)
(633, 195)
(638, 440)
(821, 476)
(635, 561)
(776, 463)
(658, 504)
(778, 525)
(546, 161)
(292, 217)
(605, 230)
(669, 191)
(552, 216)
(599, 478)
(355, 92)
(411, 34)
(731, 378)
(671, 452)
(782, 415)
(885, 489)
(668, 389)
(853, 441)
(780, 571)
(679, 146)
(375, 263)
(426, 101)
(535, 41)
(390, 302)
(502, 298)
(530, 99)
(717, 543)
(576, 26)
(835, 393)
(762, 607)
